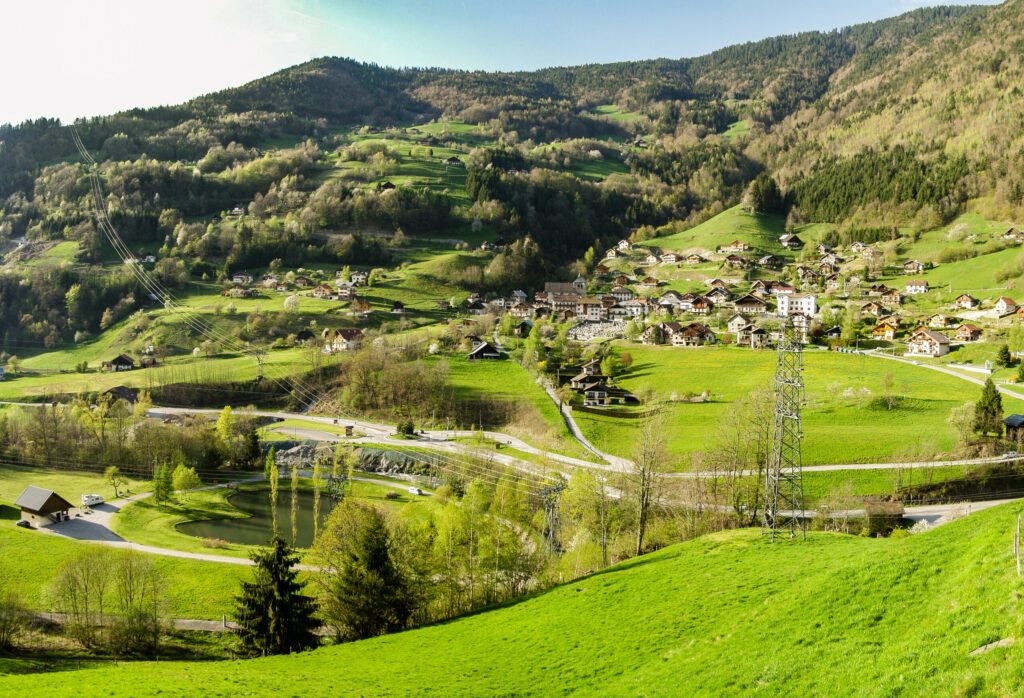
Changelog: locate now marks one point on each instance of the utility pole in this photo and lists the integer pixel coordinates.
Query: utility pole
(552, 521)
(784, 495)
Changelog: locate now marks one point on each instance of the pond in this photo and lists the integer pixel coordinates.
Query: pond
(256, 528)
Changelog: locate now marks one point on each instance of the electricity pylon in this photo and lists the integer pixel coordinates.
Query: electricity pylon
(784, 489)
(552, 520)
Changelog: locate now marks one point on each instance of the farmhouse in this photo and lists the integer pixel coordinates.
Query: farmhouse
(968, 333)
(398, 308)
(916, 288)
(718, 295)
(885, 331)
(595, 394)
(623, 245)
(752, 336)
(737, 322)
(453, 161)
(791, 242)
(599, 269)
(782, 289)
(121, 362)
(927, 343)
(322, 291)
(359, 278)
(736, 262)
(891, 299)
(651, 258)
(341, 340)
(670, 258)
(649, 282)
(694, 335)
(486, 351)
(241, 277)
(701, 306)
(940, 321)
(694, 258)
(1005, 305)
(611, 254)
(735, 246)
(912, 266)
(872, 308)
(769, 261)
(751, 304)
(966, 302)
(42, 507)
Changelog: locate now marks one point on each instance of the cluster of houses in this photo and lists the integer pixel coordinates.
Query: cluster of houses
(243, 285)
(749, 305)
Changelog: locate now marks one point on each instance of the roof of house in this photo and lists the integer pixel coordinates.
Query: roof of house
(1014, 420)
(40, 501)
(931, 334)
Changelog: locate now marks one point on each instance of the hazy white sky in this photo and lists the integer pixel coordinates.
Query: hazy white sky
(70, 58)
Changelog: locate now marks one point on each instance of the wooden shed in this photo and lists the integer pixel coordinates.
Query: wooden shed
(42, 507)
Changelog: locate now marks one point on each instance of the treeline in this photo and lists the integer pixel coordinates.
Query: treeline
(100, 431)
(561, 213)
(836, 187)
(45, 307)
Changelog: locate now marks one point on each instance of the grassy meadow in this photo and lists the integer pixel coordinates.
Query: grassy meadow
(842, 423)
(843, 615)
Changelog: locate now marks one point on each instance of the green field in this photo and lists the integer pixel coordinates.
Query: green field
(615, 113)
(726, 614)
(738, 129)
(30, 561)
(759, 231)
(69, 484)
(840, 425)
(507, 380)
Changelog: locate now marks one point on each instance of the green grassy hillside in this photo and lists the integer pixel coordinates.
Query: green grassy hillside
(760, 231)
(728, 614)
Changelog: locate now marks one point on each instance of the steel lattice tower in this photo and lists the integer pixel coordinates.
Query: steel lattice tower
(784, 490)
(552, 520)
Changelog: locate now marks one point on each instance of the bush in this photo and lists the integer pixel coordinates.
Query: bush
(13, 619)
(881, 518)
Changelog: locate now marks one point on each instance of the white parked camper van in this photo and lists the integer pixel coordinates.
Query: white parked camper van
(91, 500)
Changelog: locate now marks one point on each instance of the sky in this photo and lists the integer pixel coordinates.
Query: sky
(71, 58)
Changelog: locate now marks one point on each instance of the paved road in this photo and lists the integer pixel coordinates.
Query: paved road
(95, 526)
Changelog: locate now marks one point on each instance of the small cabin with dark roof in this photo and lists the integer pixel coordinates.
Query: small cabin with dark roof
(42, 507)
(1014, 428)
(485, 350)
(121, 362)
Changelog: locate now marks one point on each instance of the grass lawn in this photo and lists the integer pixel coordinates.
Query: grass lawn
(30, 560)
(70, 485)
(818, 485)
(839, 427)
(507, 380)
(843, 615)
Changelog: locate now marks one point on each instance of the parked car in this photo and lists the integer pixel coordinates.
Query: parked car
(91, 500)
(23, 523)
(415, 490)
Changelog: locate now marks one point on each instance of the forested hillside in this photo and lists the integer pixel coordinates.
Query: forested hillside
(907, 121)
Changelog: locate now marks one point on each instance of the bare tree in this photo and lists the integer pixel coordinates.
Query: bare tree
(649, 459)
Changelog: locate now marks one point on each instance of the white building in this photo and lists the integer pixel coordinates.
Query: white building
(803, 303)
